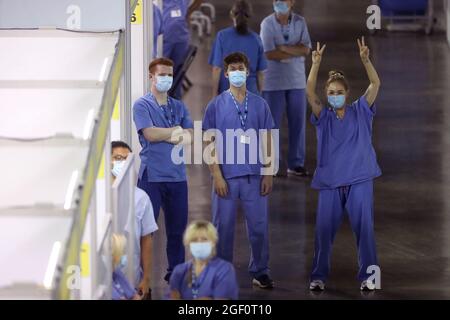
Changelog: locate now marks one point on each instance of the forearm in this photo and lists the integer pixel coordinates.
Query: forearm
(260, 81)
(146, 257)
(311, 94)
(158, 134)
(186, 136)
(268, 155)
(371, 72)
(216, 71)
(372, 91)
(277, 55)
(297, 51)
(311, 84)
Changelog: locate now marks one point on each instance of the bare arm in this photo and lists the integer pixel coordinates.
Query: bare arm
(260, 81)
(374, 86)
(311, 85)
(186, 136)
(146, 263)
(299, 50)
(159, 134)
(216, 71)
(268, 164)
(277, 55)
(220, 185)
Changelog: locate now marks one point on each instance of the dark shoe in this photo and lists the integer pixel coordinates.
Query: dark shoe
(264, 282)
(167, 276)
(299, 172)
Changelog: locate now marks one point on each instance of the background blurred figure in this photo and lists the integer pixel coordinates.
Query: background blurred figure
(145, 223)
(286, 43)
(205, 277)
(238, 38)
(176, 16)
(121, 288)
(158, 27)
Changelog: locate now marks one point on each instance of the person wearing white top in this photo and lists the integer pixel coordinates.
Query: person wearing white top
(145, 224)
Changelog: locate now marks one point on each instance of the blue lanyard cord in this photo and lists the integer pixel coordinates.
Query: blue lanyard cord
(286, 30)
(164, 111)
(242, 117)
(197, 282)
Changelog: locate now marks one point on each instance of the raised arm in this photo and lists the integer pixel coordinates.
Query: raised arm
(311, 85)
(374, 86)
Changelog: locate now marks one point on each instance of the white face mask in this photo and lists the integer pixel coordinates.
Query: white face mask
(201, 250)
(117, 167)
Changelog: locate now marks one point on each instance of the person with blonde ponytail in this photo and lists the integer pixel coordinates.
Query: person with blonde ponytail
(346, 166)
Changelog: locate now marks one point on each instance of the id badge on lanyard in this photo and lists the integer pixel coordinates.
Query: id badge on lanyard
(176, 11)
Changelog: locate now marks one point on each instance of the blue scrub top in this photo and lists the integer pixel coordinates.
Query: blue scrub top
(288, 74)
(216, 281)
(344, 147)
(156, 156)
(176, 29)
(228, 41)
(121, 288)
(158, 27)
(145, 225)
(221, 114)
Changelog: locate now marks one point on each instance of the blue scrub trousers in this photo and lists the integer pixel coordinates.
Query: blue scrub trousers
(247, 189)
(357, 200)
(294, 101)
(177, 52)
(173, 198)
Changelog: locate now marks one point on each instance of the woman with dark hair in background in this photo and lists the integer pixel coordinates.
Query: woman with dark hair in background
(238, 38)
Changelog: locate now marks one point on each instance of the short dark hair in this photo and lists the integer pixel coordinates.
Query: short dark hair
(235, 57)
(160, 61)
(120, 144)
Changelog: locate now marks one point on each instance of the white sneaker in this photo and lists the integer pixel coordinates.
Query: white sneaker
(367, 286)
(317, 285)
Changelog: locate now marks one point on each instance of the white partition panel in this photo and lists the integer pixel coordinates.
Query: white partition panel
(27, 246)
(30, 113)
(36, 55)
(38, 174)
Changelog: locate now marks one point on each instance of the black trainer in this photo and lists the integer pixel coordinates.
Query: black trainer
(264, 282)
(299, 171)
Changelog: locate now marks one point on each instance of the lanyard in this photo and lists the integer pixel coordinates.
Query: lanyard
(286, 30)
(197, 282)
(242, 117)
(171, 119)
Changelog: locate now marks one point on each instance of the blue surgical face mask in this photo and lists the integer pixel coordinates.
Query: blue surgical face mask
(164, 83)
(117, 167)
(201, 250)
(123, 261)
(337, 102)
(281, 7)
(237, 78)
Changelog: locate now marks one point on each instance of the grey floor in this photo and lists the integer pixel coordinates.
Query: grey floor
(412, 140)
